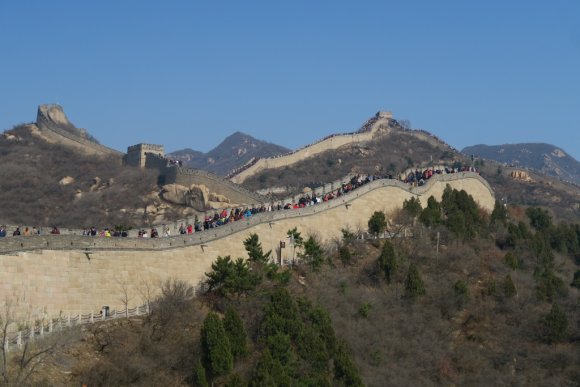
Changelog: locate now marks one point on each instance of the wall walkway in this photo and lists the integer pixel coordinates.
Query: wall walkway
(48, 275)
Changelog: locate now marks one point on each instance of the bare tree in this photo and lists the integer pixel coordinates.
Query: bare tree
(17, 367)
(124, 294)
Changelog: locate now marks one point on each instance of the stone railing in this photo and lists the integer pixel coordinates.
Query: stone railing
(40, 329)
(12, 245)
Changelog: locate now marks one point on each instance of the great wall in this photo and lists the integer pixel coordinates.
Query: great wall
(377, 124)
(67, 274)
(51, 275)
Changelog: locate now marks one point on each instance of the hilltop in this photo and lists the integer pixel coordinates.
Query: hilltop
(234, 151)
(544, 158)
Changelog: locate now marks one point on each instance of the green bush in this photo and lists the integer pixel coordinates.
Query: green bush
(387, 261)
(199, 378)
(414, 285)
(511, 260)
(377, 223)
(461, 290)
(549, 285)
(412, 206)
(509, 288)
(554, 325)
(365, 309)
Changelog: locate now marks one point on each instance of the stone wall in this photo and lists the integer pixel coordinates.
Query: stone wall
(174, 174)
(50, 128)
(51, 275)
(329, 143)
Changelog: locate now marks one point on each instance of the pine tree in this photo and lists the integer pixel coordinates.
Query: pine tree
(234, 327)
(344, 369)
(377, 223)
(499, 214)
(313, 253)
(509, 288)
(388, 261)
(412, 206)
(216, 346)
(254, 249)
(414, 285)
(554, 325)
(199, 378)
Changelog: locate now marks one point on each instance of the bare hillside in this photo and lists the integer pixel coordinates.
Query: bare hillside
(47, 184)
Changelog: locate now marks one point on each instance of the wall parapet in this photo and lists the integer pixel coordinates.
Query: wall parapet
(44, 123)
(89, 244)
(333, 141)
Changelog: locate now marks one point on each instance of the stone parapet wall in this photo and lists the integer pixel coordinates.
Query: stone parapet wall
(329, 143)
(44, 123)
(48, 275)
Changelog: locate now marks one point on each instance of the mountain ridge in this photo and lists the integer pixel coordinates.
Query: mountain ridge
(235, 150)
(542, 157)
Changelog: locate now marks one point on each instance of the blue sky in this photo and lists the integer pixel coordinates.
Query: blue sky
(189, 73)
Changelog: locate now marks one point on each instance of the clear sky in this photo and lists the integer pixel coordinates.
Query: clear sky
(189, 73)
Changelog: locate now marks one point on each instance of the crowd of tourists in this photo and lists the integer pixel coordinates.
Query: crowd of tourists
(420, 177)
(417, 177)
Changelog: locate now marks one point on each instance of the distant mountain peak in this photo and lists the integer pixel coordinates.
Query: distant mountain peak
(235, 150)
(542, 157)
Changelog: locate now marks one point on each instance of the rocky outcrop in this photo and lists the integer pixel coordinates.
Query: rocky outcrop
(195, 196)
(521, 176)
(54, 126)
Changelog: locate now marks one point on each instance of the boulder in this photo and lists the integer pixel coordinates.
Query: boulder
(213, 197)
(66, 180)
(195, 196)
(174, 193)
(96, 184)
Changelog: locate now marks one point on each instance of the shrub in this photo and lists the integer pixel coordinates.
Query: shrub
(554, 325)
(549, 285)
(539, 218)
(414, 285)
(364, 309)
(199, 378)
(509, 288)
(412, 206)
(345, 255)
(388, 261)
(461, 290)
(511, 260)
(377, 223)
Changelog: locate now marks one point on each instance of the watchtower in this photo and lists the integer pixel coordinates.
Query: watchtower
(136, 154)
